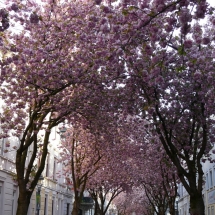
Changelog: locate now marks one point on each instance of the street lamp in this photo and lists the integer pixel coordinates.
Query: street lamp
(39, 186)
(176, 200)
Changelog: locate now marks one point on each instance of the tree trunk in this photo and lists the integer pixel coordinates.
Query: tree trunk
(161, 210)
(197, 204)
(96, 209)
(23, 203)
(172, 206)
(75, 208)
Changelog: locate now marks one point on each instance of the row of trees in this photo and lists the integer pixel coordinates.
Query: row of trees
(110, 170)
(134, 73)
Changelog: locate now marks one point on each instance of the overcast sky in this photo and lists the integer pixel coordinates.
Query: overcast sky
(212, 2)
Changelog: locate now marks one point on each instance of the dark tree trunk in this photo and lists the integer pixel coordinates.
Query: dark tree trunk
(76, 207)
(196, 204)
(172, 211)
(172, 207)
(26, 181)
(161, 210)
(23, 202)
(96, 210)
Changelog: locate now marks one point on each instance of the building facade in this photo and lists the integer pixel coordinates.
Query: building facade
(209, 188)
(208, 192)
(50, 197)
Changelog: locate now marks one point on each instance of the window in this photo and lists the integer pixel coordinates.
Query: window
(38, 161)
(2, 142)
(59, 207)
(209, 211)
(211, 178)
(53, 200)
(55, 133)
(181, 190)
(14, 202)
(214, 176)
(185, 209)
(47, 164)
(30, 151)
(45, 205)
(60, 169)
(1, 197)
(212, 210)
(207, 184)
(67, 209)
(54, 168)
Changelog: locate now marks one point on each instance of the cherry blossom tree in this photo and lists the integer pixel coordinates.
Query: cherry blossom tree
(171, 85)
(65, 53)
(103, 197)
(169, 82)
(158, 179)
(107, 183)
(95, 161)
(154, 175)
(122, 203)
(122, 158)
(44, 78)
(167, 65)
(133, 202)
(81, 156)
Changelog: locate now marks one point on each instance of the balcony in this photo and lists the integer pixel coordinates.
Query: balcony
(87, 201)
(7, 164)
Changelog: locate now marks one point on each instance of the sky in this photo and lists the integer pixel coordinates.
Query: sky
(212, 2)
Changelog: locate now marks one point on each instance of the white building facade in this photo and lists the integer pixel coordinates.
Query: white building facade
(208, 192)
(53, 198)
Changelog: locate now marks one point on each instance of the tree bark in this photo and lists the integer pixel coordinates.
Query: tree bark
(76, 206)
(96, 209)
(172, 206)
(23, 202)
(196, 204)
